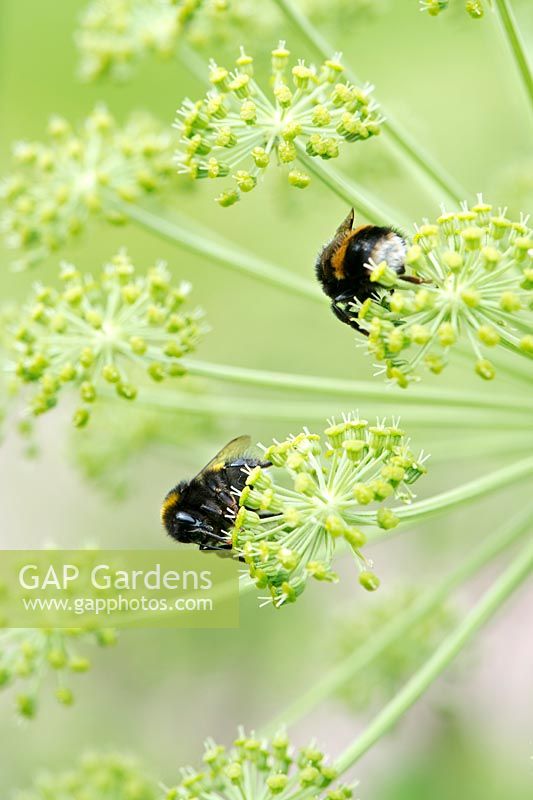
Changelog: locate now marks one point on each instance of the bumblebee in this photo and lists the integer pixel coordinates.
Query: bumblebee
(343, 266)
(198, 511)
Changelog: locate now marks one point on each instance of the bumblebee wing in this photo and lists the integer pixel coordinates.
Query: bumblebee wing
(234, 449)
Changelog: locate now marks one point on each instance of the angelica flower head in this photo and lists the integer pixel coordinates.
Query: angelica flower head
(474, 8)
(106, 330)
(402, 657)
(238, 129)
(260, 770)
(79, 173)
(325, 488)
(476, 267)
(28, 654)
(95, 776)
(116, 34)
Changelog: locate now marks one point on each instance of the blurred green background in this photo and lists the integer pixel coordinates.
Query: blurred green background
(159, 693)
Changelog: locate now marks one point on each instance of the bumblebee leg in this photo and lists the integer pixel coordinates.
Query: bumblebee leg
(224, 497)
(340, 312)
(223, 548)
(414, 279)
(344, 315)
(211, 509)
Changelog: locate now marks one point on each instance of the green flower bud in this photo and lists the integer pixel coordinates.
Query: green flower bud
(369, 581)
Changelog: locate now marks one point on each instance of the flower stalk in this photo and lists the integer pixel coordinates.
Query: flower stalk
(408, 146)
(511, 579)
(460, 495)
(399, 626)
(516, 44)
(369, 206)
(356, 390)
(192, 237)
(289, 410)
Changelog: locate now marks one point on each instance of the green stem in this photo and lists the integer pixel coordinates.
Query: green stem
(192, 62)
(200, 241)
(361, 200)
(519, 569)
(302, 410)
(399, 626)
(514, 39)
(473, 490)
(401, 138)
(478, 447)
(356, 390)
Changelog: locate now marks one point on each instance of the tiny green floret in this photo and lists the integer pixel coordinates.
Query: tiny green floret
(474, 8)
(238, 130)
(106, 330)
(476, 271)
(329, 486)
(58, 186)
(259, 769)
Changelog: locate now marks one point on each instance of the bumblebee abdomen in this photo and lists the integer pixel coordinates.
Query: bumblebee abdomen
(372, 244)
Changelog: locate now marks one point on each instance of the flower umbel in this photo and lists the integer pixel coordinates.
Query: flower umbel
(256, 768)
(102, 331)
(477, 272)
(116, 34)
(26, 654)
(401, 658)
(474, 8)
(58, 186)
(287, 535)
(238, 130)
(106, 776)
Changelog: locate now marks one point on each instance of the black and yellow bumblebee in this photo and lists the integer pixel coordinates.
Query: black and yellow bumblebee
(343, 266)
(198, 511)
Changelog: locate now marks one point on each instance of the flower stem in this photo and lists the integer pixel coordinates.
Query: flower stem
(362, 201)
(472, 490)
(356, 390)
(399, 626)
(514, 39)
(193, 238)
(401, 138)
(519, 569)
(302, 411)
